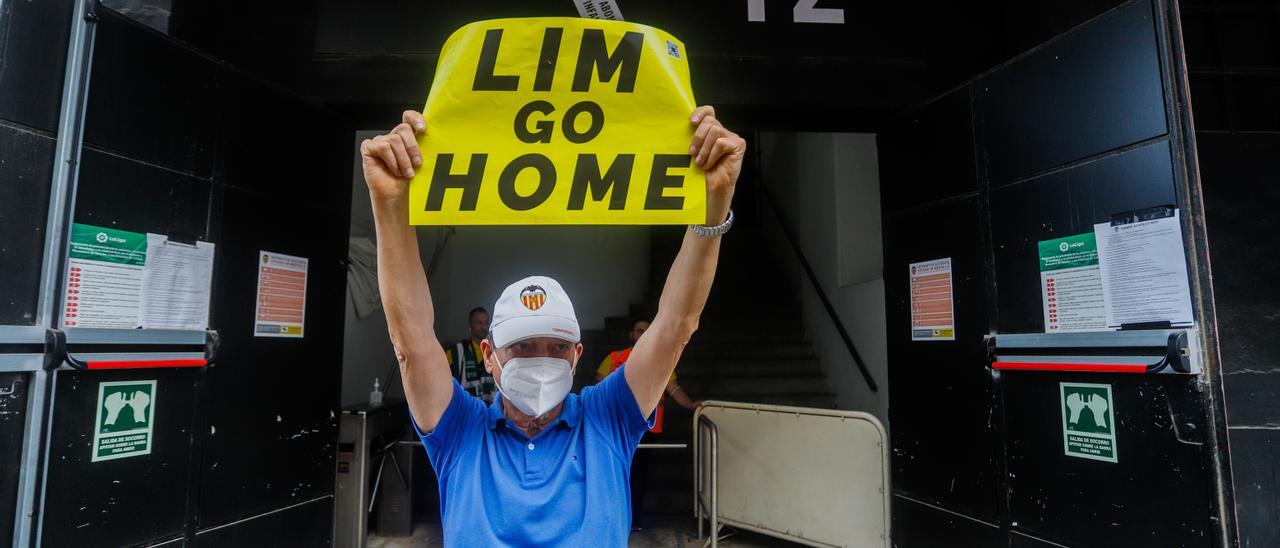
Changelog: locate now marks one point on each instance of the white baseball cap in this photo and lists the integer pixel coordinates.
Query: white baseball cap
(534, 307)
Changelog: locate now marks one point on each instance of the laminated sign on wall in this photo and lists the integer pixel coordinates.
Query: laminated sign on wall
(282, 295)
(1071, 285)
(932, 305)
(1088, 421)
(125, 280)
(123, 422)
(558, 121)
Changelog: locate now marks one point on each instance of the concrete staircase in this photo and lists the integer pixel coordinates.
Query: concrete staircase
(750, 347)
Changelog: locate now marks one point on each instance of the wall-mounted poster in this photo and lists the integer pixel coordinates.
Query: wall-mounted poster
(932, 305)
(282, 295)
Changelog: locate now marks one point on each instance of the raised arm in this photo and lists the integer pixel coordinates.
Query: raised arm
(389, 161)
(719, 152)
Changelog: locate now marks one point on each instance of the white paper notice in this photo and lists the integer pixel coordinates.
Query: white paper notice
(932, 316)
(282, 295)
(1144, 270)
(175, 284)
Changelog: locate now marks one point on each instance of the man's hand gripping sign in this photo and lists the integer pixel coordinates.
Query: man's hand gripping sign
(558, 121)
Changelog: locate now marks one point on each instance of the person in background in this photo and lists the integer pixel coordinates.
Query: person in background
(466, 358)
(615, 360)
(640, 465)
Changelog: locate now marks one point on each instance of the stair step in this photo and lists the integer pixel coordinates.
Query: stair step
(730, 336)
(745, 386)
(746, 367)
(747, 350)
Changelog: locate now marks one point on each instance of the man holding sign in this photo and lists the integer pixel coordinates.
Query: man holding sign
(539, 466)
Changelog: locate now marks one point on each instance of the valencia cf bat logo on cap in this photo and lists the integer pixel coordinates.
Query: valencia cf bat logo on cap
(533, 297)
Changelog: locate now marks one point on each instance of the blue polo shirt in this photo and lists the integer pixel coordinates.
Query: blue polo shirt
(565, 487)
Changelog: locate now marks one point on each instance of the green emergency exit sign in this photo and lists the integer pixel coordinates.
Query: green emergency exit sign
(1088, 421)
(123, 423)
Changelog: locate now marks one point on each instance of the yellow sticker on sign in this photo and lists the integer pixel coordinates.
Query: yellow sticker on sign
(558, 121)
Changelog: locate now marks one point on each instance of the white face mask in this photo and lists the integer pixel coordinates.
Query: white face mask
(535, 385)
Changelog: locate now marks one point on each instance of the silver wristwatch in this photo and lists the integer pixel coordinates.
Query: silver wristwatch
(714, 231)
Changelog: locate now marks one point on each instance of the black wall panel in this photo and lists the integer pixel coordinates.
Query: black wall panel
(150, 99)
(1064, 137)
(13, 410)
(272, 402)
(1241, 181)
(123, 501)
(1157, 494)
(179, 144)
(1092, 90)
(33, 57)
(951, 462)
(281, 148)
(26, 171)
(306, 525)
(1065, 203)
(916, 524)
(928, 153)
(122, 193)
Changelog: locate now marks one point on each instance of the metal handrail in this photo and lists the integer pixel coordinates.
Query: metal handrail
(710, 508)
(817, 287)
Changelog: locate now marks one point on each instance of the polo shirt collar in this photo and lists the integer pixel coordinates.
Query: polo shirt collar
(570, 414)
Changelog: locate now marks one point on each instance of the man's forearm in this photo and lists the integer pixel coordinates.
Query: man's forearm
(683, 297)
(688, 283)
(402, 282)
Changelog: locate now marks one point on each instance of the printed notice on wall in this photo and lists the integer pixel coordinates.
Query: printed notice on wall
(282, 295)
(1071, 285)
(125, 280)
(104, 277)
(932, 316)
(175, 284)
(123, 421)
(1144, 269)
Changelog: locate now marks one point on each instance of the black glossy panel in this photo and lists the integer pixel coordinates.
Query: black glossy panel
(13, 416)
(305, 525)
(125, 501)
(927, 153)
(303, 165)
(1062, 204)
(917, 525)
(952, 463)
(1092, 90)
(1240, 176)
(26, 171)
(1209, 102)
(120, 193)
(1158, 494)
(33, 57)
(1256, 472)
(272, 401)
(151, 99)
(1254, 104)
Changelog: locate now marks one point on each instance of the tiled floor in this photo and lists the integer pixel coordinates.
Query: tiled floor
(663, 534)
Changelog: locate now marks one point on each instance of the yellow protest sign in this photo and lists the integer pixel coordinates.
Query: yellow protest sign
(558, 121)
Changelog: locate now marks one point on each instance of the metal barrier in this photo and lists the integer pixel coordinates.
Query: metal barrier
(818, 477)
(700, 494)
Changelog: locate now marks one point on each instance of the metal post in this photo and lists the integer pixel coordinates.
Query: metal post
(705, 424)
(62, 193)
